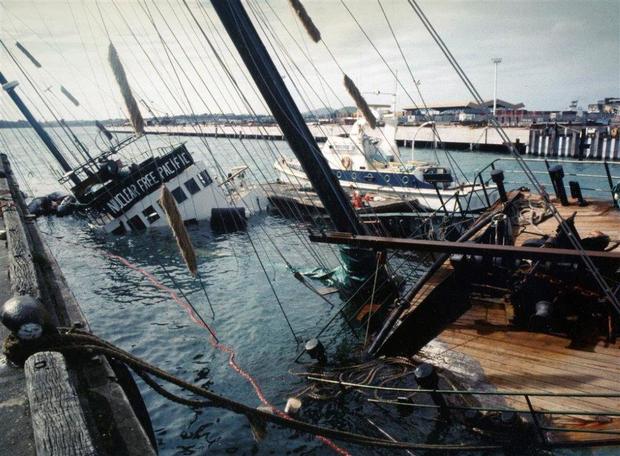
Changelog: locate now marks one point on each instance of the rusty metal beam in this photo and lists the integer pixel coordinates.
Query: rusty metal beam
(465, 248)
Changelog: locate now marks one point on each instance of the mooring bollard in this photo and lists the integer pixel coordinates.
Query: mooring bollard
(556, 173)
(316, 350)
(575, 192)
(24, 316)
(497, 176)
(293, 405)
(406, 409)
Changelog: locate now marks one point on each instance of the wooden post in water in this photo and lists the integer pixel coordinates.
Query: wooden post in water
(595, 145)
(574, 141)
(552, 148)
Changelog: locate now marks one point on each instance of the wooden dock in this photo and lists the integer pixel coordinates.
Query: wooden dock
(482, 349)
(55, 405)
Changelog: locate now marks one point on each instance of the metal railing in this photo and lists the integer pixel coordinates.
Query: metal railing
(526, 395)
(605, 177)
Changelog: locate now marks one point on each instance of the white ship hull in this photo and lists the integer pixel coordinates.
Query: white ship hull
(464, 198)
(195, 202)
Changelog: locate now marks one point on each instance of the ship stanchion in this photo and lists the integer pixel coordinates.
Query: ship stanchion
(427, 378)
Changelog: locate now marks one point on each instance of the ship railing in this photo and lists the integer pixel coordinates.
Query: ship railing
(92, 165)
(600, 183)
(531, 411)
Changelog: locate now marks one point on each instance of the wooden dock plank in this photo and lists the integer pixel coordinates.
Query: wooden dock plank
(512, 359)
(58, 421)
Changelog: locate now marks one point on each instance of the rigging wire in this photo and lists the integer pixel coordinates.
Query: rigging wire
(331, 54)
(171, 57)
(526, 169)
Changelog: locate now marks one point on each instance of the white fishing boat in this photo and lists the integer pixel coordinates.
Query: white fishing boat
(369, 161)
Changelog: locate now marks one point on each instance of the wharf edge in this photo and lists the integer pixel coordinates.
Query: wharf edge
(57, 405)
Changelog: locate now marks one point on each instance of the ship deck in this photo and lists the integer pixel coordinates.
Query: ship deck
(291, 199)
(486, 352)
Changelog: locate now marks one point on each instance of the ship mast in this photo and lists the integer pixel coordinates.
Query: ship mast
(268, 80)
(34, 123)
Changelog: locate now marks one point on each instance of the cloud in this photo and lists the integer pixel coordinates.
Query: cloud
(552, 51)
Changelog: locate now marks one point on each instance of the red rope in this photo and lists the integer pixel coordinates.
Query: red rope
(232, 362)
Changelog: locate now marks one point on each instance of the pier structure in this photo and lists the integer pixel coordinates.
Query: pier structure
(455, 137)
(577, 142)
(562, 141)
(76, 405)
(499, 357)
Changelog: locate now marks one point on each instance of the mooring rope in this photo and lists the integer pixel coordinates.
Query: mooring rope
(72, 340)
(190, 309)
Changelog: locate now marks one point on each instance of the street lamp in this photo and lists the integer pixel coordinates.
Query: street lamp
(496, 61)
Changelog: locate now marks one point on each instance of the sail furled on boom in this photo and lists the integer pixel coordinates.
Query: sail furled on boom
(27, 53)
(315, 35)
(306, 20)
(360, 101)
(175, 220)
(135, 116)
(69, 95)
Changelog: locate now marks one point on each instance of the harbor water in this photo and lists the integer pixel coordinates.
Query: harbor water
(247, 276)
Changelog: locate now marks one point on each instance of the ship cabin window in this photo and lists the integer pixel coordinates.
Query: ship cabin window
(136, 223)
(179, 195)
(119, 230)
(204, 178)
(191, 186)
(151, 214)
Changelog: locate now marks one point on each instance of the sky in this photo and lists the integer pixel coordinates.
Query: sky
(552, 51)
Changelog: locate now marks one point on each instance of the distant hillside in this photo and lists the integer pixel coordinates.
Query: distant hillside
(322, 113)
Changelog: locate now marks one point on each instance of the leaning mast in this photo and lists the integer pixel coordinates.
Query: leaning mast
(9, 88)
(268, 80)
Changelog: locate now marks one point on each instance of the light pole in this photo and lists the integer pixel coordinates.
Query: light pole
(496, 61)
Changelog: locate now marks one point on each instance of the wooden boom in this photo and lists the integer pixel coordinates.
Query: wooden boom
(465, 248)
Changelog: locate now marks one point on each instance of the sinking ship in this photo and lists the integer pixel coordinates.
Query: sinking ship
(120, 197)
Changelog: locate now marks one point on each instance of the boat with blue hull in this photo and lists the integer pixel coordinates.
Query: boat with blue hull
(369, 161)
